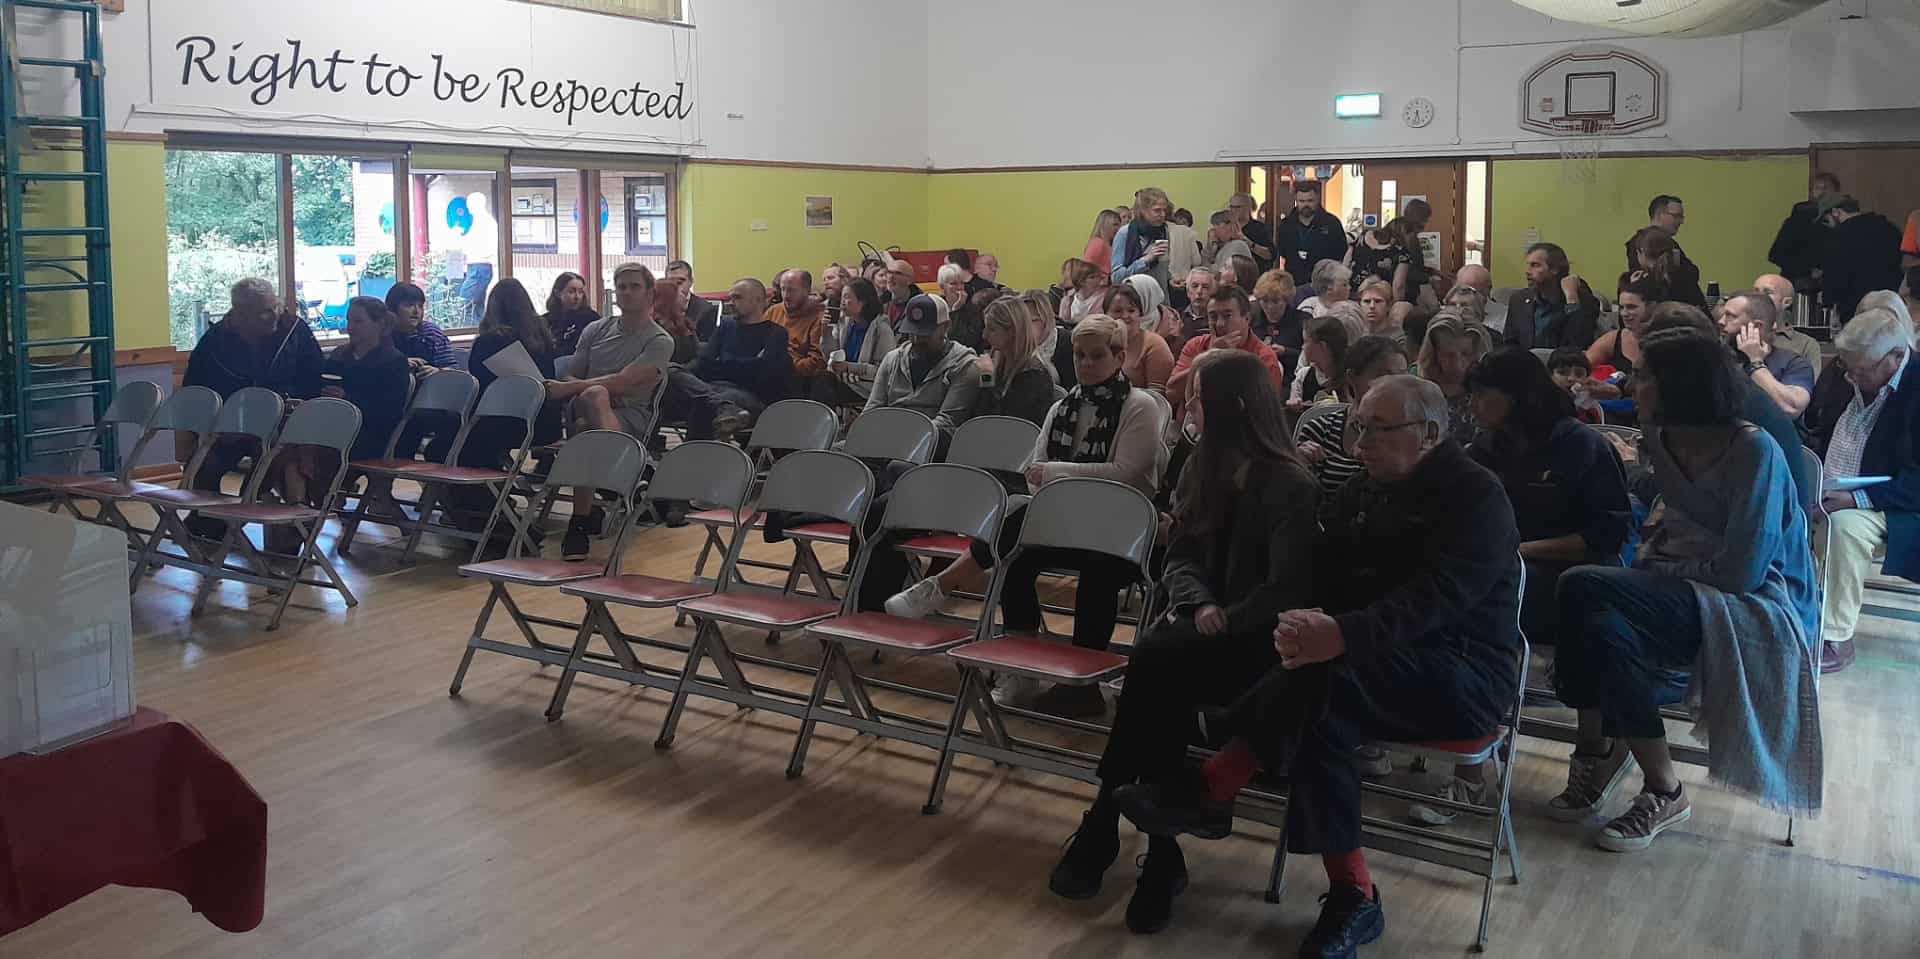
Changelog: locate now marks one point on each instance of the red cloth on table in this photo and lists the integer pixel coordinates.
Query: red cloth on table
(149, 804)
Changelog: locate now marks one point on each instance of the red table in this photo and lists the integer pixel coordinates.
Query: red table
(150, 804)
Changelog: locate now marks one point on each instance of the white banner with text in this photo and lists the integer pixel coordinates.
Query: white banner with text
(471, 66)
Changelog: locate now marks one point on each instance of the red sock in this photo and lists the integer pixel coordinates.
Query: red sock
(1229, 769)
(1348, 869)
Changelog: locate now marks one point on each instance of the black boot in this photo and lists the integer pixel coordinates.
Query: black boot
(1348, 921)
(1162, 876)
(1092, 848)
(1178, 806)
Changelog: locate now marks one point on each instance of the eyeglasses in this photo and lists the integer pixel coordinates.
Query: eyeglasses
(1361, 427)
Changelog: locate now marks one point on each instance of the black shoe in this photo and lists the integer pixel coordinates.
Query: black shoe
(1090, 850)
(1071, 702)
(203, 527)
(284, 540)
(1163, 876)
(676, 514)
(1172, 808)
(578, 542)
(1835, 657)
(1348, 921)
(730, 420)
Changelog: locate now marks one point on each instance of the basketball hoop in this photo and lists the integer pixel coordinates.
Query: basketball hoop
(1580, 141)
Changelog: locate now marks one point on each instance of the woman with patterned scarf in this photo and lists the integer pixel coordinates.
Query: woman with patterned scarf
(1104, 428)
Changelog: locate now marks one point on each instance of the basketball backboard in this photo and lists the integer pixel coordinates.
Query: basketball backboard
(1590, 90)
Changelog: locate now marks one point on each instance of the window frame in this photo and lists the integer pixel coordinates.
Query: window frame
(552, 215)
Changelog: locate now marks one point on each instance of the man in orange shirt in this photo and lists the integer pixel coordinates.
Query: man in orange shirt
(801, 313)
(1229, 314)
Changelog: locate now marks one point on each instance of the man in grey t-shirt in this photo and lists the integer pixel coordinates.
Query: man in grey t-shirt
(615, 369)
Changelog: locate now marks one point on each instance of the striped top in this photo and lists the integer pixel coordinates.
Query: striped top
(1329, 431)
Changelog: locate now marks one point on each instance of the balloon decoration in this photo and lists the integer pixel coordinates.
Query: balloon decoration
(459, 217)
(386, 218)
(605, 215)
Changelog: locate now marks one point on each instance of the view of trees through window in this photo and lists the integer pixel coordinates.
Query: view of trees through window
(223, 224)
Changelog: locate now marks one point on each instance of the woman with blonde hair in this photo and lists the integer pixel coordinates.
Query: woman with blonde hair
(1099, 249)
(1014, 380)
(1452, 346)
(1153, 244)
(1379, 312)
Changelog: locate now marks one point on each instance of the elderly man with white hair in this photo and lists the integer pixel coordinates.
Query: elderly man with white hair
(1416, 640)
(1332, 283)
(1479, 279)
(1871, 475)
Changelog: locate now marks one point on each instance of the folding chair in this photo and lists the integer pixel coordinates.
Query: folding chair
(700, 471)
(886, 435)
(1314, 414)
(1095, 515)
(1628, 433)
(818, 482)
(446, 392)
(958, 500)
(509, 397)
(252, 414)
(1431, 844)
(597, 459)
(784, 426)
(320, 424)
(1001, 445)
(191, 409)
(133, 405)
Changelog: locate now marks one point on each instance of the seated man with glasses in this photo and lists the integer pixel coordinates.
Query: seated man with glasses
(1417, 642)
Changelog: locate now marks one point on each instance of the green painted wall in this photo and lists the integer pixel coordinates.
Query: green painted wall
(1734, 205)
(137, 216)
(720, 205)
(1033, 220)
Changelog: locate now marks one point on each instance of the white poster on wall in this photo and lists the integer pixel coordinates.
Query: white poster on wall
(467, 65)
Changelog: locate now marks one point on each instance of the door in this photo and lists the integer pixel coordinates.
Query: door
(1389, 184)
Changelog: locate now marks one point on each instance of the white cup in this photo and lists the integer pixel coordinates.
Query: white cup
(837, 356)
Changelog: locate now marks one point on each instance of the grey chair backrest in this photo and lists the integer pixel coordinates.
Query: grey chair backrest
(1099, 515)
(795, 425)
(890, 433)
(1541, 353)
(1810, 498)
(253, 411)
(192, 409)
(517, 396)
(447, 391)
(819, 483)
(329, 422)
(602, 459)
(1628, 433)
(948, 498)
(1314, 414)
(704, 471)
(133, 404)
(1001, 443)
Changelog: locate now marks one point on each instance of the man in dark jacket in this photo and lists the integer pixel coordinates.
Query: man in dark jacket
(1258, 234)
(1419, 641)
(1557, 308)
(1799, 248)
(1863, 255)
(1877, 433)
(1667, 213)
(1309, 235)
(254, 344)
(703, 314)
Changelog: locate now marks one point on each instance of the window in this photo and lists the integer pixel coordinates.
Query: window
(536, 216)
(645, 227)
(223, 225)
(343, 242)
(455, 243)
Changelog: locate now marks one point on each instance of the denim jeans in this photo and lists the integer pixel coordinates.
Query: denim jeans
(1626, 633)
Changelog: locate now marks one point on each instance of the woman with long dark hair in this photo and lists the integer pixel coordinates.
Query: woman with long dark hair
(568, 312)
(510, 318)
(1722, 588)
(1657, 258)
(861, 339)
(1241, 552)
(1324, 348)
(1569, 499)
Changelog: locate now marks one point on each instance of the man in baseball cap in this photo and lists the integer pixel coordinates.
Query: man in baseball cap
(930, 373)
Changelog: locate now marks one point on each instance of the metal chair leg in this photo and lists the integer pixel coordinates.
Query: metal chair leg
(695, 650)
(820, 679)
(968, 682)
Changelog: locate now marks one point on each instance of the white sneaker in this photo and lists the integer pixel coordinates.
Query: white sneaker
(918, 601)
(1020, 691)
(1456, 789)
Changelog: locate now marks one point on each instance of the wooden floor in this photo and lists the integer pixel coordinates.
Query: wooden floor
(406, 823)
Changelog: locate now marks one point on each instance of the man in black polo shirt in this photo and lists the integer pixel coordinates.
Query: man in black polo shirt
(1309, 234)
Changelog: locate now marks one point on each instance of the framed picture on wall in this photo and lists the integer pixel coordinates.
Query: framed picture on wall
(819, 212)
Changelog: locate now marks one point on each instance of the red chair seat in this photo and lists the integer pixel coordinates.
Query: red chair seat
(187, 498)
(632, 589)
(1045, 658)
(92, 487)
(533, 571)
(268, 513)
(765, 610)
(938, 544)
(459, 475)
(912, 636)
(65, 481)
(1457, 747)
(823, 532)
(394, 465)
(719, 517)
